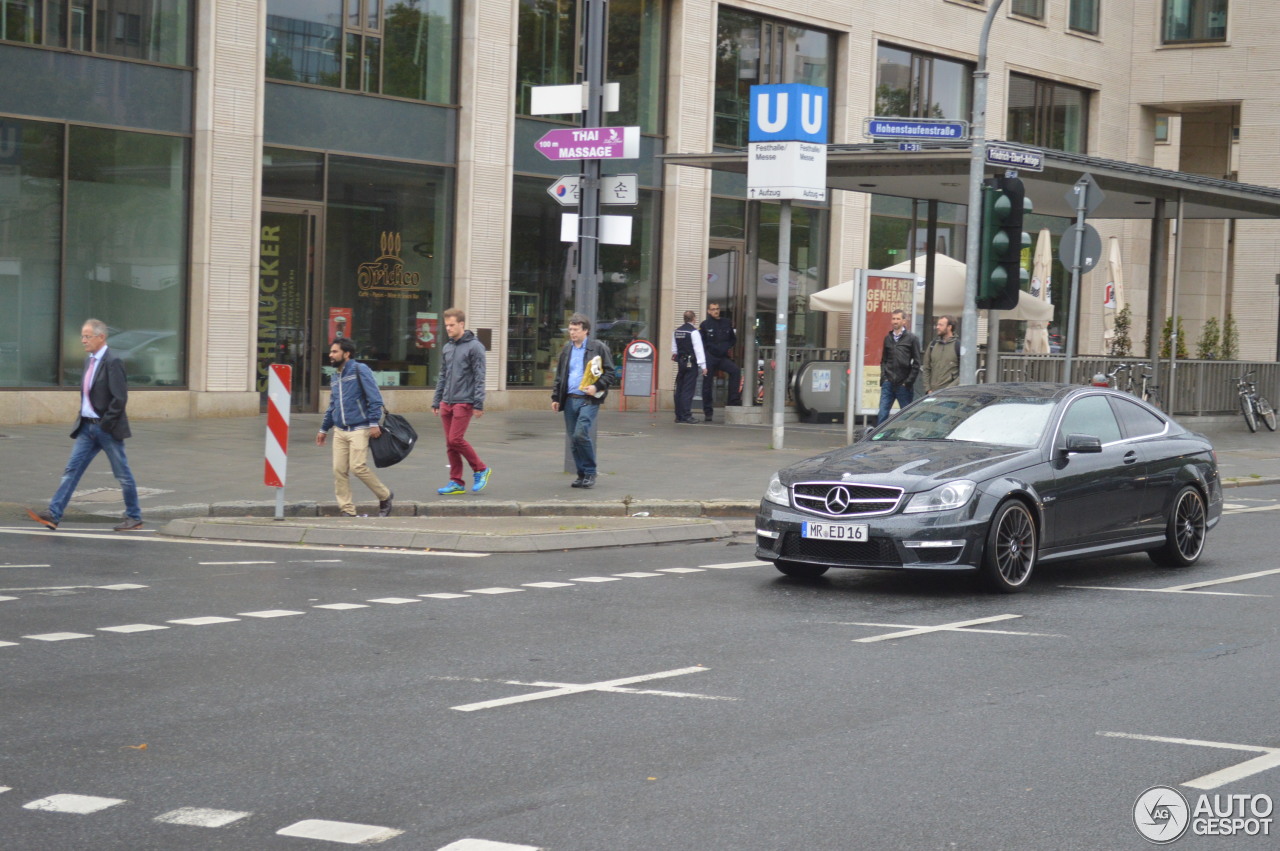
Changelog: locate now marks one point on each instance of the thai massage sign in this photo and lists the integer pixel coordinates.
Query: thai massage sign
(386, 277)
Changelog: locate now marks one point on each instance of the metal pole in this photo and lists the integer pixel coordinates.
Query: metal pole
(750, 274)
(595, 29)
(977, 164)
(1073, 299)
(780, 372)
(1171, 384)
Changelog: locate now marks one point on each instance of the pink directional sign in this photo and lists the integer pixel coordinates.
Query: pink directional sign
(590, 143)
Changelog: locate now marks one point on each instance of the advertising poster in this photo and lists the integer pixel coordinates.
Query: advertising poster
(339, 323)
(885, 294)
(424, 330)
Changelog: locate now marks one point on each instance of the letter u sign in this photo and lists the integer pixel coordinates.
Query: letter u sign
(789, 112)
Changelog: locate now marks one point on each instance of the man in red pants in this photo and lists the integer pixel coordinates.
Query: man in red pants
(459, 395)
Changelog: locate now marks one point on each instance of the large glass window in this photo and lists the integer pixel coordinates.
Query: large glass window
(1083, 16)
(910, 84)
(404, 48)
(1029, 8)
(1048, 114)
(751, 50)
(126, 250)
(30, 245)
(1195, 20)
(548, 55)
(808, 275)
(544, 272)
(154, 30)
(387, 263)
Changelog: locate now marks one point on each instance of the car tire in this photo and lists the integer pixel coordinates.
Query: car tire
(800, 570)
(1011, 550)
(1184, 532)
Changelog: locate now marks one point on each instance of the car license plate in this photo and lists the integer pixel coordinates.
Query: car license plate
(834, 531)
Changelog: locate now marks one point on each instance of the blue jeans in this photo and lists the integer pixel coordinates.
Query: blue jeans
(579, 417)
(89, 443)
(889, 392)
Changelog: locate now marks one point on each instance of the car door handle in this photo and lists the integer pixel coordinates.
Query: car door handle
(1130, 457)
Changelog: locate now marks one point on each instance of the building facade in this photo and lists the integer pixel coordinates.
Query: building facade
(235, 183)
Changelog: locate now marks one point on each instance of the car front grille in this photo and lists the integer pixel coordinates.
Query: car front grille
(877, 551)
(837, 499)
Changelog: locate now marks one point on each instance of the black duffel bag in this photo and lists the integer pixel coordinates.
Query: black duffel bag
(395, 443)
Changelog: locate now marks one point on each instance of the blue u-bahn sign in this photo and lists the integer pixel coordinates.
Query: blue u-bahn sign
(788, 112)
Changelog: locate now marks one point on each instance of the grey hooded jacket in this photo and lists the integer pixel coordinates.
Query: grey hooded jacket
(461, 380)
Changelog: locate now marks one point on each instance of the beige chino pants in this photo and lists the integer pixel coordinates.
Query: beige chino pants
(351, 458)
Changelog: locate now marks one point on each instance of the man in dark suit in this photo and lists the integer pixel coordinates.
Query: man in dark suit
(101, 426)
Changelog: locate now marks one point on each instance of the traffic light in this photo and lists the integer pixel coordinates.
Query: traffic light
(1000, 272)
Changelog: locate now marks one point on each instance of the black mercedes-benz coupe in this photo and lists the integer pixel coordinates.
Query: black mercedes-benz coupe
(997, 478)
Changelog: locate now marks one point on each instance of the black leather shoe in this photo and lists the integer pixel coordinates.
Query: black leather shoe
(588, 482)
(44, 518)
(577, 483)
(384, 505)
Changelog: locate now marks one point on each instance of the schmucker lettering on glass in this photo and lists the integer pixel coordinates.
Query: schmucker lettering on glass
(386, 277)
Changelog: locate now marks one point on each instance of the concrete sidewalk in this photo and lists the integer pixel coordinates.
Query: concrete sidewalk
(659, 481)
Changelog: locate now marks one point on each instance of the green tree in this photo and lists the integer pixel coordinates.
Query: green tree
(1168, 333)
(1230, 339)
(1208, 346)
(1121, 345)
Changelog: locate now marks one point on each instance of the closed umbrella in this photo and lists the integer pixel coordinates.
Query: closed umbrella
(1113, 295)
(1036, 338)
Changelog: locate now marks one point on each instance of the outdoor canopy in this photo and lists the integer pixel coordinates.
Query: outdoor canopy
(948, 292)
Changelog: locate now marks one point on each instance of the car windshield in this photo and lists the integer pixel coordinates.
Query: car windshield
(975, 419)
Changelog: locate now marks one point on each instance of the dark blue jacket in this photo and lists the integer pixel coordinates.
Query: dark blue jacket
(718, 337)
(354, 398)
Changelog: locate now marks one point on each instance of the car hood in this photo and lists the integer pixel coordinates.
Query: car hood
(914, 465)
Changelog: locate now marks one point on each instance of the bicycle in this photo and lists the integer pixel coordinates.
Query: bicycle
(1253, 405)
(1144, 386)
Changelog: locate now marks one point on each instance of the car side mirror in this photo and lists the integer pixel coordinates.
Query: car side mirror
(1083, 443)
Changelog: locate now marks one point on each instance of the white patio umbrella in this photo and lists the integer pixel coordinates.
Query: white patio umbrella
(1036, 338)
(948, 292)
(1113, 295)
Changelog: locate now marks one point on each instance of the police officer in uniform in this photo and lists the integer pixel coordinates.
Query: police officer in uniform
(719, 338)
(686, 351)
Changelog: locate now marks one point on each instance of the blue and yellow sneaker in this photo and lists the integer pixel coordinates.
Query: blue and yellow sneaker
(451, 488)
(482, 479)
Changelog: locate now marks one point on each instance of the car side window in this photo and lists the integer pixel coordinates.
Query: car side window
(1091, 415)
(1136, 420)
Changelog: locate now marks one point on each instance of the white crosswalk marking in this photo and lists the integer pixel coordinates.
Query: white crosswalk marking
(341, 606)
(57, 636)
(597, 579)
(131, 627)
(203, 621)
(339, 831)
(639, 574)
(681, 570)
(122, 587)
(548, 584)
(444, 596)
(77, 804)
(486, 845)
(201, 817)
(270, 613)
(492, 590)
(395, 601)
(8, 644)
(2, 599)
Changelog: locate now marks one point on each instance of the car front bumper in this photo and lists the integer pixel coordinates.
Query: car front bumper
(946, 540)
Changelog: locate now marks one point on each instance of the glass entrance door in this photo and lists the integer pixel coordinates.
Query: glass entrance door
(724, 282)
(289, 331)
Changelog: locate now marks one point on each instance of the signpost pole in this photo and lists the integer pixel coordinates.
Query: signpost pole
(587, 290)
(977, 164)
(780, 371)
(1073, 301)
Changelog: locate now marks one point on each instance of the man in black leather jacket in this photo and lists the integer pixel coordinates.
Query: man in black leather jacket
(718, 339)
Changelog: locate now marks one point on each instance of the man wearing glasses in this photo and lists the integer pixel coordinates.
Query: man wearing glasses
(101, 426)
(718, 339)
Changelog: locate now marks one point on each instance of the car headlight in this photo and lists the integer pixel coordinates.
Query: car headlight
(777, 492)
(942, 498)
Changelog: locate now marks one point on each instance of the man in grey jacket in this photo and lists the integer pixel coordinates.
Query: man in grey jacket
(459, 396)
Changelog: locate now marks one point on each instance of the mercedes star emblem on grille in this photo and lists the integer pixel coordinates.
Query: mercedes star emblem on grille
(838, 499)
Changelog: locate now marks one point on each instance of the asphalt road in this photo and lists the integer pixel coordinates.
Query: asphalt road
(694, 702)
